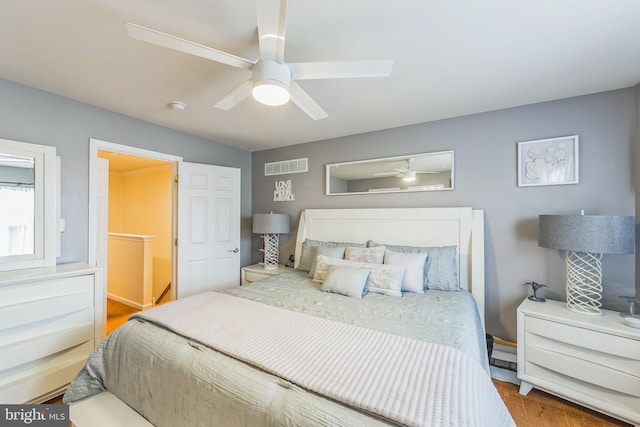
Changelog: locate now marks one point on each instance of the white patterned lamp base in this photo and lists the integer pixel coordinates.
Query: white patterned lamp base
(271, 255)
(584, 282)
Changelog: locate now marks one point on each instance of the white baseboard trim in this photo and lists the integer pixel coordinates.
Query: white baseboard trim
(128, 302)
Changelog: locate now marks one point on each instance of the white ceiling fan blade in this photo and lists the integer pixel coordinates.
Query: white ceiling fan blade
(306, 103)
(340, 70)
(272, 17)
(176, 43)
(384, 173)
(241, 93)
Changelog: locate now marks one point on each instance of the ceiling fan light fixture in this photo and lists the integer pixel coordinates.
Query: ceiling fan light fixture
(271, 83)
(409, 176)
(271, 93)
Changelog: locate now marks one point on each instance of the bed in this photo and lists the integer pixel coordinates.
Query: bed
(283, 352)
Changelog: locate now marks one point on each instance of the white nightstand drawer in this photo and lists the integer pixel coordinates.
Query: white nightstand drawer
(584, 338)
(250, 276)
(257, 272)
(603, 399)
(585, 370)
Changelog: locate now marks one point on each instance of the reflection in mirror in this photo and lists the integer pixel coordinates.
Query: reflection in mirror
(17, 205)
(414, 172)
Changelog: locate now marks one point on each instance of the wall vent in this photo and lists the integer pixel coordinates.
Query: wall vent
(286, 166)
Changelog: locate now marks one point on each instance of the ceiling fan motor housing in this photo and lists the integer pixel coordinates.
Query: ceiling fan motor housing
(271, 82)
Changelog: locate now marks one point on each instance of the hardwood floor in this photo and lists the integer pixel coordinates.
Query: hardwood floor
(117, 314)
(540, 409)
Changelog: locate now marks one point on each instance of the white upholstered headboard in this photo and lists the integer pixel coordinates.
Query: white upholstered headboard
(461, 227)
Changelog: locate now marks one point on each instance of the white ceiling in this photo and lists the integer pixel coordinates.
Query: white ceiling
(451, 58)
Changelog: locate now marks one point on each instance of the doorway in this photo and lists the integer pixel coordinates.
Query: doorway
(205, 206)
(139, 250)
(132, 218)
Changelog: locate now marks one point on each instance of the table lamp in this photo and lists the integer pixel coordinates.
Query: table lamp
(586, 238)
(270, 225)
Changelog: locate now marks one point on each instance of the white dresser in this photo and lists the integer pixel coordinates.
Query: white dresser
(51, 319)
(591, 360)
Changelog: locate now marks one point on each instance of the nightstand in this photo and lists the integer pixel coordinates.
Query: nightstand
(255, 272)
(590, 360)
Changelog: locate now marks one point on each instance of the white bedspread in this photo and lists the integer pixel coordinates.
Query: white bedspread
(407, 381)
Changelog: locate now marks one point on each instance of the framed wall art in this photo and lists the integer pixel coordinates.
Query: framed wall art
(552, 161)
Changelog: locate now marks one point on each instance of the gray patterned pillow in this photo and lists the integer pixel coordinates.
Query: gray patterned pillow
(307, 255)
(384, 279)
(372, 255)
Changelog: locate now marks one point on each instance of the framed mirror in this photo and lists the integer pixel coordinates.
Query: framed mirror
(28, 205)
(17, 205)
(413, 172)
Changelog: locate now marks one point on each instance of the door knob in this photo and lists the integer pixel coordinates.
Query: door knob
(234, 250)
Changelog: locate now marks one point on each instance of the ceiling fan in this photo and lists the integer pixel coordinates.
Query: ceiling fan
(273, 81)
(407, 173)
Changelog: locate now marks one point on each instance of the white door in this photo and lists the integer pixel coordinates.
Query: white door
(208, 228)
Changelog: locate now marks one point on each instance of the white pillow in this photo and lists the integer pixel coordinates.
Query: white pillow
(384, 279)
(346, 280)
(372, 255)
(413, 263)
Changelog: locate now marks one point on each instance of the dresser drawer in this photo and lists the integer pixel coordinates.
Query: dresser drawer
(24, 344)
(36, 380)
(33, 302)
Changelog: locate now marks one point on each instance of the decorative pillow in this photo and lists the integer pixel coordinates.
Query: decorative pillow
(346, 280)
(337, 252)
(413, 263)
(441, 268)
(384, 279)
(372, 255)
(307, 255)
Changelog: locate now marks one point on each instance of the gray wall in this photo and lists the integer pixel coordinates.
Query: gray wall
(636, 175)
(485, 161)
(31, 115)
